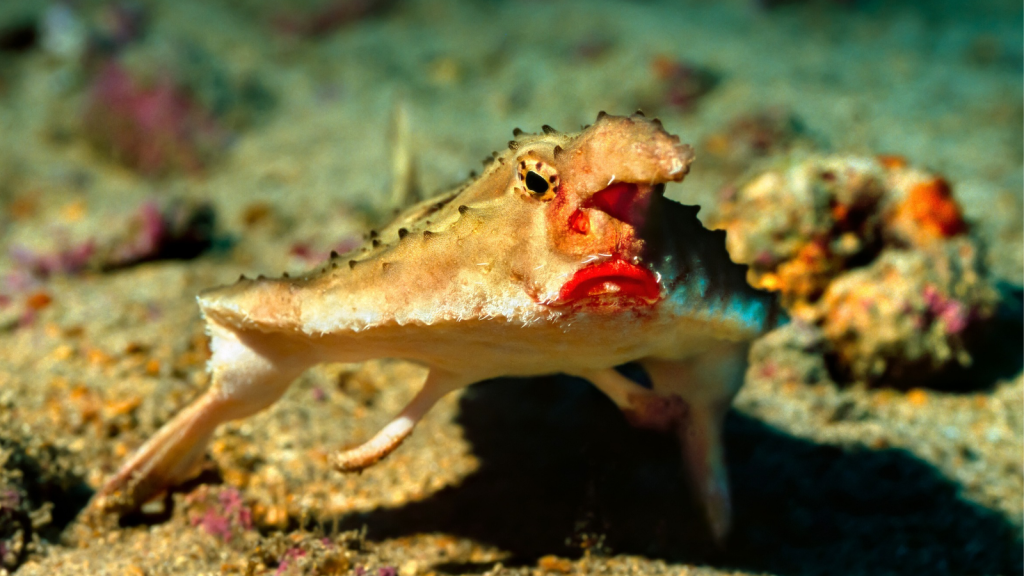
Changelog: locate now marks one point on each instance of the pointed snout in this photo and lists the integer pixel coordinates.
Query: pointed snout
(632, 150)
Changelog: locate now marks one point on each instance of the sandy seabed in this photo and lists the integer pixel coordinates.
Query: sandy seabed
(508, 477)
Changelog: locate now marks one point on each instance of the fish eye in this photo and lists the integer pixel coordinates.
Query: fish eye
(536, 178)
(536, 183)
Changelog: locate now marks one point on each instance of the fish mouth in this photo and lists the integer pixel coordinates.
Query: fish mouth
(624, 201)
(615, 281)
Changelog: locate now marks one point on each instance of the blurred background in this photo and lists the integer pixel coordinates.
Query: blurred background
(864, 156)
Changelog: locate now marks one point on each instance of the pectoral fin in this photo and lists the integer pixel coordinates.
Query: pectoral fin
(707, 385)
(389, 438)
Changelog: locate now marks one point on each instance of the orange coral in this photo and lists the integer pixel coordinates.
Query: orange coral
(932, 207)
(892, 161)
(803, 277)
(840, 212)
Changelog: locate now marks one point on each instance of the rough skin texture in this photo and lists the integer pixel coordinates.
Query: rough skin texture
(563, 256)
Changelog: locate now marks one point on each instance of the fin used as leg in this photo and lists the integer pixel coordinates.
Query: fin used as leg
(701, 438)
(643, 408)
(395, 432)
(707, 385)
(245, 381)
(168, 458)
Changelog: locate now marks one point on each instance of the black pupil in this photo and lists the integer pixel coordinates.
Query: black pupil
(536, 183)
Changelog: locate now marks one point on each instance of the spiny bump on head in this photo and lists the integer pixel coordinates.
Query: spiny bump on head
(517, 132)
(333, 266)
(557, 151)
(375, 242)
(639, 113)
(601, 114)
(402, 232)
(463, 209)
(373, 233)
(657, 122)
(487, 161)
(285, 275)
(427, 234)
(242, 278)
(261, 277)
(334, 254)
(548, 129)
(351, 264)
(513, 145)
(472, 173)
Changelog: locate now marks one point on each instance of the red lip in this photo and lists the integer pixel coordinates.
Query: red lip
(616, 278)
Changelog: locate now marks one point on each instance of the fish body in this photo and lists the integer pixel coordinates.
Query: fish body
(562, 256)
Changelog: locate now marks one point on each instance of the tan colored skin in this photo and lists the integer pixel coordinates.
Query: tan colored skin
(469, 285)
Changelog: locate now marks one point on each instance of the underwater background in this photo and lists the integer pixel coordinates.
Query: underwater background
(865, 157)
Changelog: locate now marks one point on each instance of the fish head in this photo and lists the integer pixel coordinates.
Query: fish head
(592, 194)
